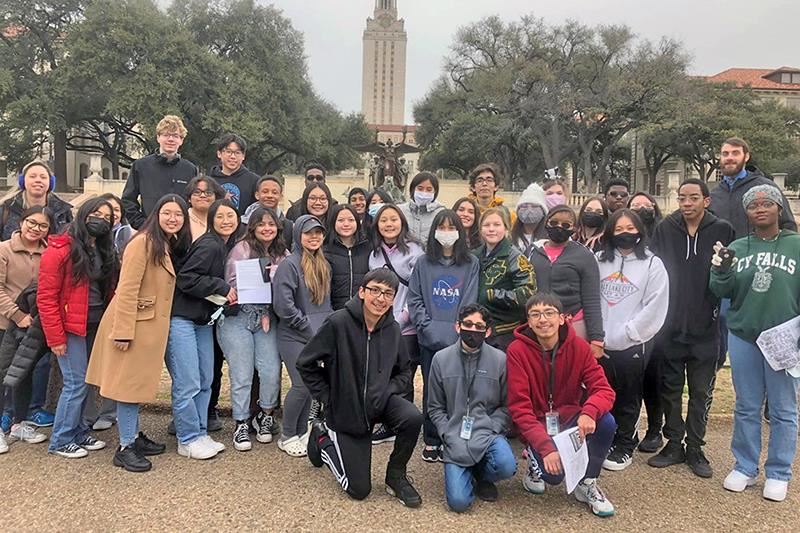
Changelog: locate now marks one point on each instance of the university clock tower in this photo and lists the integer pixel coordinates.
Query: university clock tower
(383, 90)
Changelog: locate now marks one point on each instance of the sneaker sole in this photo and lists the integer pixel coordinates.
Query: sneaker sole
(190, 456)
(664, 465)
(386, 439)
(615, 467)
(738, 488)
(243, 446)
(601, 514)
(38, 440)
(264, 439)
(120, 464)
(411, 505)
(533, 490)
(94, 448)
(71, 455)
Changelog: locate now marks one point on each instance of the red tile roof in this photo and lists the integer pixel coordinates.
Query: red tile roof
(755, 78)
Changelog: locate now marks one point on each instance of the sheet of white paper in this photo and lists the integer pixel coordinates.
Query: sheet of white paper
(217, 299)
(779, 345)
(574, 456)
(250, 285)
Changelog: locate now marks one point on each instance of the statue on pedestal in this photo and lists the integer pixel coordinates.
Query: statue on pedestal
(388, 170)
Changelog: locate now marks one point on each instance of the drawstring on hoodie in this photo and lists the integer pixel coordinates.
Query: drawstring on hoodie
(689, 243)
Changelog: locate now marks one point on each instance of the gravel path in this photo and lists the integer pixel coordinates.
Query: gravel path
(264, 489)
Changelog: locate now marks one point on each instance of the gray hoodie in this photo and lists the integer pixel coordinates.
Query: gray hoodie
(420, 218)
(298, 317)
(451, 372)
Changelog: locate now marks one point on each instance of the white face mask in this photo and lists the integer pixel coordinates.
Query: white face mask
(373, 209)
(423, 198)
(446, 238)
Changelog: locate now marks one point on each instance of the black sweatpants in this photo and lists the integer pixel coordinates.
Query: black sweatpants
(349, 457)
(651, 390)
(216, 383)
(697, 364)
(625, 373)
(415, 360)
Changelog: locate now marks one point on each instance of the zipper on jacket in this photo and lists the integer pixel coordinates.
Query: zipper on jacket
(366, 377)
(350, 259)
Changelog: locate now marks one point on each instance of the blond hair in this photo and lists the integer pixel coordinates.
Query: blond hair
(316, 274)
(171, 123)
(502, 213)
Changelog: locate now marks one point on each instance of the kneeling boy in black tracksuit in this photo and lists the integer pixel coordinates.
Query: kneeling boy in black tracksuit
(356, 365)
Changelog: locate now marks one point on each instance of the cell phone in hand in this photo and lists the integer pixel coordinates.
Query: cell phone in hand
(727, 256)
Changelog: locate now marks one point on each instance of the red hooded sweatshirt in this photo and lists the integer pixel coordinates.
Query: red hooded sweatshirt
(529, 378)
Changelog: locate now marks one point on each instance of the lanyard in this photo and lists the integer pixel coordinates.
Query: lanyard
(552, 382)
(465, 365)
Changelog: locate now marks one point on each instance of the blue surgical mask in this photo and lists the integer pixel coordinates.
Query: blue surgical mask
(373, 209)
(423, 198)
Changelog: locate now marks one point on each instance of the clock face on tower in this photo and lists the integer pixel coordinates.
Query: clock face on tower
(385, 21)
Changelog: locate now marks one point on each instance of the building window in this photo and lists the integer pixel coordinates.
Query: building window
(796, 77)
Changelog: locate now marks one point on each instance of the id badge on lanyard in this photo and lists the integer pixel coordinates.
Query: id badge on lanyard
(551, 417)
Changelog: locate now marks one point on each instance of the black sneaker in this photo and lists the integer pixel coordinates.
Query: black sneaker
(147, 447)
(131, 459)
(486, 491)
(671, 454)
(431, 454)
(652, 442)
(214, 423)
(265, 427)
(697, 461)
(241, 436)
(382, 434)
(313, 450)
(618, 459)
(91, 444)
(400, 486)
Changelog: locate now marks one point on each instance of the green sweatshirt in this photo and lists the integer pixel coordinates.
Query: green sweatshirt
(763, 284)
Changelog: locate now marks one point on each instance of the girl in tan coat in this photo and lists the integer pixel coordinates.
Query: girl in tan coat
(132, 338)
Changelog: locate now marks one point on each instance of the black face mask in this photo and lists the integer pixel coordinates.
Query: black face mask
(558, 234)
(625, 241)
(97, 227)
(647, 215)
(592, 220)
(472, 339)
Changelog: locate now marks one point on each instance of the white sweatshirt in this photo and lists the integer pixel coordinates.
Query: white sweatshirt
(634, 299)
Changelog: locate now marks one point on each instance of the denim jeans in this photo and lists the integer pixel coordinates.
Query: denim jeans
(68, 426)
(127, 422)
(41, 375)
(190, 361)
(246, 350)
(597, 444)
(753, 381)
(498, 463)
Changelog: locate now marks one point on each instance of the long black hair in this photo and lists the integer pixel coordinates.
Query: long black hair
(656, 211)
(607, 252)
(212, 212)
(82, 251)
(159, 242)
(403, 239)
(277, 247)
(333, 214)
(461, 253)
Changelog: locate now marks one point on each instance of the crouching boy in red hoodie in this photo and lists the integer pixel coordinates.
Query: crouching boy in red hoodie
(548, 366)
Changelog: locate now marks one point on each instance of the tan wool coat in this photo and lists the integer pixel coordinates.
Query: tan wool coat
(140, 312)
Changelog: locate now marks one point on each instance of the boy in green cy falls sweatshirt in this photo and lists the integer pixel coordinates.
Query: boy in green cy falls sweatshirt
(764, 287)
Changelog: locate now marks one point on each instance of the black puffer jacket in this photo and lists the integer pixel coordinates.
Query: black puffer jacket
(23, 347)
(348, 267)
(11, 211)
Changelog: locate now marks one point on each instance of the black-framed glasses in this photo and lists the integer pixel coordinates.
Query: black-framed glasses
(202, 194)
(237, 153)
(388, 294)
(41, 226)
(318, 199)
(549, 314)
(474, 326)
(486, 180)
(758, 204)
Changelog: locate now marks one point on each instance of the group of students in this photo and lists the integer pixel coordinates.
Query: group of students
(523, 321)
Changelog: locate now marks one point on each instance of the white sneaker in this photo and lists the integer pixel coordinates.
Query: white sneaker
(737, 482)
(27, 433)
(102, 424)
(199, 448)
(3, 445)
(532, 481)
(216, 445)
(617, 460)
(588, 492)
(775, 490)
(71, 451)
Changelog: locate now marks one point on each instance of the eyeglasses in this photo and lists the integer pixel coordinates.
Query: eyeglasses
(555, 224)
(315, 177)
(758, 204)
(376, 292)
(468, 324)
(547, 313)
(171, 214)
(619, 194)
(486, 180)
(318, 199)
(237, 153)
(172, 135)
(41, 226)
(202, 193)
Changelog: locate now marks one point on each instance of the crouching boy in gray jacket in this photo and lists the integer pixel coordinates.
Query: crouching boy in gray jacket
(467, 404)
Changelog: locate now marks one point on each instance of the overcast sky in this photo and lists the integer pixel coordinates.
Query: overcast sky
(719, 34)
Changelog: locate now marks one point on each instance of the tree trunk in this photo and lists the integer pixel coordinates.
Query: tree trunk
(60, 157)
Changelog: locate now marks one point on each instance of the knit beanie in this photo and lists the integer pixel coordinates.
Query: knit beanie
(533, 194)
(762, 192)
